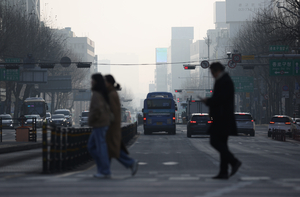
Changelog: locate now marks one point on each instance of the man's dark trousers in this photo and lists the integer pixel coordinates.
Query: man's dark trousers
(220, 144)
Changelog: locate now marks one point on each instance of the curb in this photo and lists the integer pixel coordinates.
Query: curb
(21, 148)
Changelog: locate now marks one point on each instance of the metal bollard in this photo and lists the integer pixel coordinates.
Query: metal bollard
(69, 148)
(58, 149)
(64, 156)
(45, 148)
(52, 150)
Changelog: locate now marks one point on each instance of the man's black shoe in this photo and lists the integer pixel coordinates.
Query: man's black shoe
(235, 168)
(221, 176)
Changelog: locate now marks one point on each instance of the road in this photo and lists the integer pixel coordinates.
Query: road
(170, 165)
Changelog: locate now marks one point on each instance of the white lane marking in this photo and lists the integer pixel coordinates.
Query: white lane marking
(142, 163)
(72, 173)
(240, 143)
(184, 178)
(205, 175)
(142, 180)
(178, 152)
(287, 154)
(262, 178)
(291, 180)
(154, 172)
(170, 163)
(226, 190)
(267, 150)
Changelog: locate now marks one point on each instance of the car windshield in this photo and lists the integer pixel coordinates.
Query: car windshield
(58, 116)
(85, 114)
(62, 112)
(280, 119)
(200, 118)
(5, 116)
(159, 103)
(243, 117)
(48, 115)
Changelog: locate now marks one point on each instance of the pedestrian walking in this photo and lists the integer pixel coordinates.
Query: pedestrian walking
(116, 147)
(99, 119)
(221, 107)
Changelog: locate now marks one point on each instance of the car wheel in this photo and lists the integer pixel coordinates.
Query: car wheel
(252, 134)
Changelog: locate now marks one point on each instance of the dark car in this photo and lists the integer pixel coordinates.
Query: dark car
(38, 119)
(84, 118)
(67, 114)
(59, 120)
(198, 124)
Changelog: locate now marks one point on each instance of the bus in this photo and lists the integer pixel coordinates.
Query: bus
(34, 105)
(159, 113)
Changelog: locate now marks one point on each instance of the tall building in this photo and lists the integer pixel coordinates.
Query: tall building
(161, 74)
(182, 38)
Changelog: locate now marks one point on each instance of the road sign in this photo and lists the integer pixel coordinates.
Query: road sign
(237, 58)
(278, 48)
(266, 97)
(281, 67)
(231, 64)
(285, 94)
(204, 64)
(285, 88)
(13, 60)
(9, 75)
(248, 57)
(243, 83)
(296, 67)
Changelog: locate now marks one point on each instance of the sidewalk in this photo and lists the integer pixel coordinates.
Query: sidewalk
(13, 146)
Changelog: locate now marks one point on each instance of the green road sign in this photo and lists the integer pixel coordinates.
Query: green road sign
(282, 67)
(278, 48)
(243, 83)
(296, 67)
(13, 60)
(9, 75)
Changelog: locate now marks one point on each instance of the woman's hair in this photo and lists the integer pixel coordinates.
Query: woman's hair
(110, 79)
(100, 86)
(217, 66)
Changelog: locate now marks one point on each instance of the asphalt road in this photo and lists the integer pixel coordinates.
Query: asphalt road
(170, 165)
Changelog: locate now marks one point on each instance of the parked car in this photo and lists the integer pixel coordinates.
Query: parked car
(7, 121)
(198, 124)
(59, 120)
(48, 117)
(297, 122)
(67, 115)
(84, 118)
(245, 123)
(282, 122)
(29, 118)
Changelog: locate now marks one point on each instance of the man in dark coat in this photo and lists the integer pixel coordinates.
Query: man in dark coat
(221, 106)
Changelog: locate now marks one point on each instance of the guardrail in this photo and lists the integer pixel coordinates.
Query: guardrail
(25, 130)
(296, 134)
(67, 148)
(278, 134)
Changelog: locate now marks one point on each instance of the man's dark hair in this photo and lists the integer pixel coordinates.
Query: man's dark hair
(217, 66)
(100, 86)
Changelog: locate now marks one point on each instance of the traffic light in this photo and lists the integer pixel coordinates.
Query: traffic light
(211, 91)
(178, 91)
(178, 100)
(189, 67)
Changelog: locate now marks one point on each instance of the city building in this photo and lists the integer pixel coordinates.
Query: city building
(161, 74)
(179, 51)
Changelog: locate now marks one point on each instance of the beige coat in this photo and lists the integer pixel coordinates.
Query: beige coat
(99, 111)
(114, 133)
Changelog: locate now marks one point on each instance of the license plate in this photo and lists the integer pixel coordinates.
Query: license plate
(159, 123)
(201, 124)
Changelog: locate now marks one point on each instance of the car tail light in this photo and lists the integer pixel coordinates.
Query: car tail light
(252, 120)
(242, 114)
(193, 101)
(209, 122)
(174, 118)
(145, 118)
(280, 116)
(287, 123)
(193, 122)
(272, 122)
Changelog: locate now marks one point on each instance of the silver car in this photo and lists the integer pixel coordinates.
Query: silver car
(39, 120)
(282, 122)
(7, 121)
(245, 123)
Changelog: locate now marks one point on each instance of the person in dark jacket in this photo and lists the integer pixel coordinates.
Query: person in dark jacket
(100, 121)
(116, 147)
(221, 107)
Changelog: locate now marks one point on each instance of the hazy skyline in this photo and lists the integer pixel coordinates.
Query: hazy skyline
(133, 27)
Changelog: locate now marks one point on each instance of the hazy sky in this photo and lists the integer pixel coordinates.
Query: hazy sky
(130, 26)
